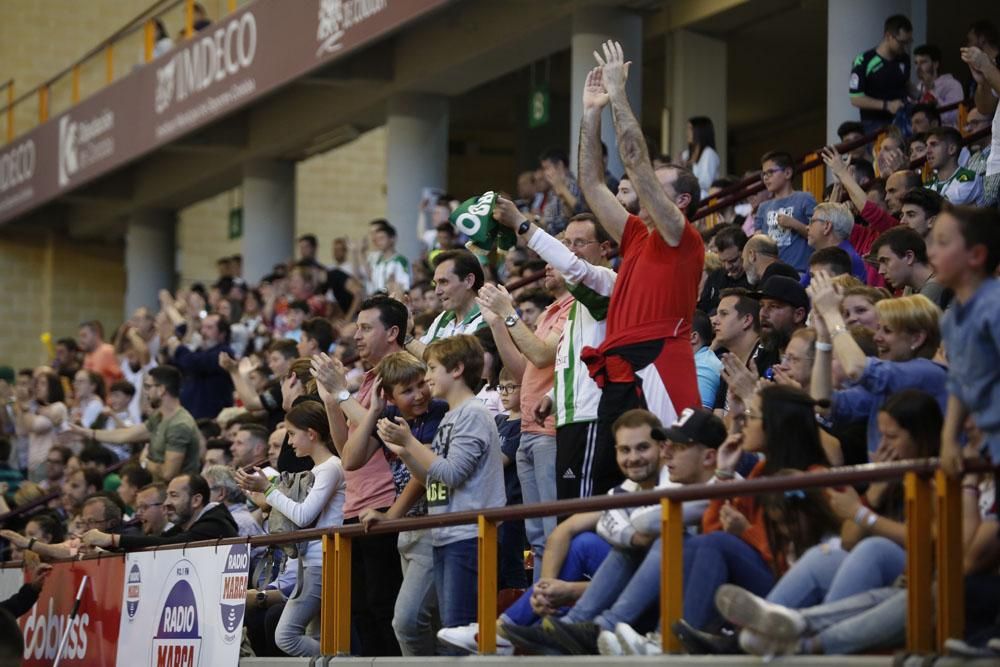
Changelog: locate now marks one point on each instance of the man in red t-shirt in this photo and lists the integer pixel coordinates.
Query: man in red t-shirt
(646, 359)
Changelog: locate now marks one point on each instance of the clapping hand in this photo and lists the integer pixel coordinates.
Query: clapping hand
(741, 380)
(836, 162)
(496, 299)
(329, 372)
(395, 434)
(729, 453)
(824, 293)
(251, 481)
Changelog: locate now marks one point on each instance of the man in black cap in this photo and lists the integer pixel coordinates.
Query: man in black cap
(783, 309)
(689, 449)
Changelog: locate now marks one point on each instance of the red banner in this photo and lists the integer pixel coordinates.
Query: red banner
(93, 635)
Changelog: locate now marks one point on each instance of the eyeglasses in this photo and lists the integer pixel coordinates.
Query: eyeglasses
(768, 173)
(578, 244)
(749, 413)
(791, 359)
(508, 388)
(144, 507)
(90, 523)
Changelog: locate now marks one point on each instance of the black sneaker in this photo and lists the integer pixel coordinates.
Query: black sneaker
(530, 639)
(576, 638)
(697, 642)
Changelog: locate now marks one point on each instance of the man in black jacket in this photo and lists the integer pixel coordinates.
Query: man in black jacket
(193, 516)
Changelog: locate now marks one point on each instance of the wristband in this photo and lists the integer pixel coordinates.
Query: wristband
(409, 339)
(823, 347)
(861, 515)
(724, 474)
(31, 543)
(971, 487)
(872, 518)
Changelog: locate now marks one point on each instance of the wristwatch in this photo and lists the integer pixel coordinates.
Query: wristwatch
(523, 228)
(262, 599)
(511, 320)
(342, 396)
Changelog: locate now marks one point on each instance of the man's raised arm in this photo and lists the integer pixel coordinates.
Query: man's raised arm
(669, 219)
(600, 199)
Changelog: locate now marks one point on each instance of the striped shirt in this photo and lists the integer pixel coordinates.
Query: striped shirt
(576, 393)
(384, 272)
(447, 325)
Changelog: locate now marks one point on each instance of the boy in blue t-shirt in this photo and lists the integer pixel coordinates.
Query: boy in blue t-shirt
(785, 217)
(965, 253)
(512, 538)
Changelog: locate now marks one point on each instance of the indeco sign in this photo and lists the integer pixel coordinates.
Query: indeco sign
(227, 66)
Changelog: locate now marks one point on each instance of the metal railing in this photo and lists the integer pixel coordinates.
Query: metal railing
(144, 21)
(933, 506)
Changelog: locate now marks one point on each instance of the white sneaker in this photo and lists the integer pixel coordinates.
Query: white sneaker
(608, 644)
(466, 637)
(741, 607)
(635, 644)
(762, 645)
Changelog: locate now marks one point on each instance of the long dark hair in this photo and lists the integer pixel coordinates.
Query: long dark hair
(54, 390)
(311, 415)
(919, 414)
(702, 136)
(796, 520)
(791, 434)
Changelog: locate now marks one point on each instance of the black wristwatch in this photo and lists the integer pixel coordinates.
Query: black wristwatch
(262, 599)
(523, 228)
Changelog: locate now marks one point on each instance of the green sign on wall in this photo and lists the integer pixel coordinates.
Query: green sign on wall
(538, 106)
(235, 223)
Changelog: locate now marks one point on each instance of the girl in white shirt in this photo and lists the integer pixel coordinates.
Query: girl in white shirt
(323, 507)
(700, 156)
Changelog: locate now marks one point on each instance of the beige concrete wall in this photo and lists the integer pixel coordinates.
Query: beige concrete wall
(51, 284)
(337, 193)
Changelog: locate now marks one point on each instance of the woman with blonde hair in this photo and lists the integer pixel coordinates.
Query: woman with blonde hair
(858, 305)
(906, 339)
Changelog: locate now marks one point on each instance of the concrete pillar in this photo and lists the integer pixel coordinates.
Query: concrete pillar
(417, 158)
(696, 85)
(592, 26)
(149, 258)
(853, 27)
(268, 216)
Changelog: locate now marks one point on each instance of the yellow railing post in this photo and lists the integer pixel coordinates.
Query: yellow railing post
(149, 39)
(10, 112)
(486, 605)
(919, 556)
(76, 83)
(109, 61)
(671, 572)
(950, 579)
(813, 179)
(43, 103)
(188, 19)
(963, 116)
(231, 5)
(335, 605)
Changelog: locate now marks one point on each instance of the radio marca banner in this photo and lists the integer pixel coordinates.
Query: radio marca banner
(92, 636)
(183, 607)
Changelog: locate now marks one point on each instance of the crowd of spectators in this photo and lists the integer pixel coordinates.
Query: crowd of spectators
(624, 343)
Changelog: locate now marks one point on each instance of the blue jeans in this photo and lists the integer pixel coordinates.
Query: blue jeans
(863, 622)
(586, 553)
(808, 581)
(874, 562)
(536, 470)
(639, 596)
(456, 582)
(609, 581)
(714, 559)
(290, 635)
(416, 605)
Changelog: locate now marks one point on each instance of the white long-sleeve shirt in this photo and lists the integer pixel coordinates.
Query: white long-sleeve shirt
(323, 505)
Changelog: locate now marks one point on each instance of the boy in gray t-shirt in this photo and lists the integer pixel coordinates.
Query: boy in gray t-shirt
(462, 470)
